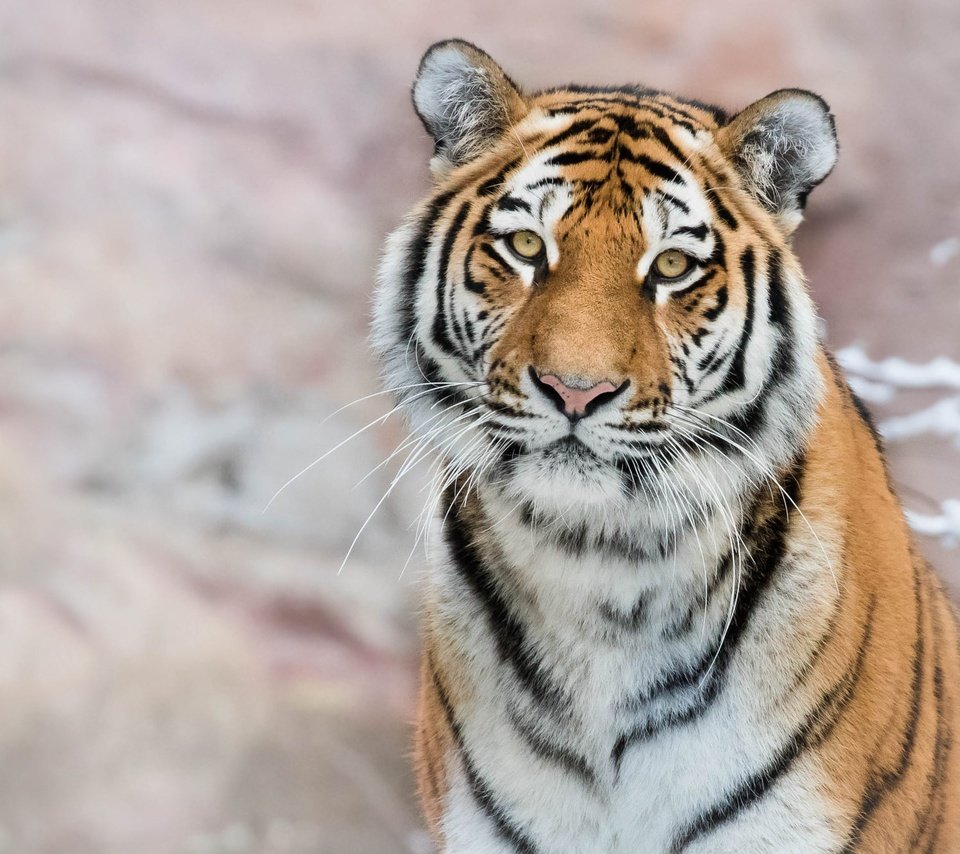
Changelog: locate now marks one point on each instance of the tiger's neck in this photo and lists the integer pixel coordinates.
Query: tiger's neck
(680, 576)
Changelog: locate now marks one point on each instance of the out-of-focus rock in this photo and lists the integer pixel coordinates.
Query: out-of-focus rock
(192, 198)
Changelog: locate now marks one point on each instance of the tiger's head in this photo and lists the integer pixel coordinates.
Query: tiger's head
(599, 297)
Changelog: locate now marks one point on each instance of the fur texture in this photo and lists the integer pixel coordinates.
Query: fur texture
(693, 619)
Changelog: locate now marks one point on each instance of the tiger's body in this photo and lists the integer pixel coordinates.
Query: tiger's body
(685, 614)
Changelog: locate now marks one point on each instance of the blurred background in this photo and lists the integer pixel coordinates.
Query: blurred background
(192, 200)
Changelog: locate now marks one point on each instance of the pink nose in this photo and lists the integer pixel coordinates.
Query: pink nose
(574, 401)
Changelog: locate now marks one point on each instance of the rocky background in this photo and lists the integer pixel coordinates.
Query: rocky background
(192, 198)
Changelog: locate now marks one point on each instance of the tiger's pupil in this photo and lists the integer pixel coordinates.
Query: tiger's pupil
(671, 264)
(526, 244)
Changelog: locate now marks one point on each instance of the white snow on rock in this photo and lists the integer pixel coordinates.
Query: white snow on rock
(938, 373)
(870, 391)
(941, 419)
(945, 251)
(945, 525)
(878, 382)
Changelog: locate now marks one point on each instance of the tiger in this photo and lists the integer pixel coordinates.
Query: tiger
(671, 603)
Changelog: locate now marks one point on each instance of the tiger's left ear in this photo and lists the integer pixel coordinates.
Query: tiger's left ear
(465, 101)
(782, 146)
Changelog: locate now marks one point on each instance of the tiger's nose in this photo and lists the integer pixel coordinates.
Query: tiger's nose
(580, 397)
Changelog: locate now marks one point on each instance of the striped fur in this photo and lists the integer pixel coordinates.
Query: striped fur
(692, 620)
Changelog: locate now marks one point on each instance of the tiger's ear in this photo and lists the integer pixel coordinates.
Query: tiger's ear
(465, 101)
(782, 146)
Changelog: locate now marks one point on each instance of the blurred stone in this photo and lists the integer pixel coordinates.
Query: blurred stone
(192, 199)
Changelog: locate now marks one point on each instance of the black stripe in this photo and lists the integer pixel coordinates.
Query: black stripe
(512, 203)
(570, 158)
(779, 308)
(488, 250)
(882, 781)
(720, 209)
(766, 544)
(544, 748)
(495, 182)
(430, 371)
(481, 228)
(706, 364)
(551, 181)
(637, 98)
(469, 282)
(575, 540)
(704, 279)
(629, 127)
(634, 619)
(416, 261)
(441, 335)
(712, 314)
(736, 375)
(679, 204)
(482, 793)
(508, 631)
(664, 139)
(575, 128)
(932, 815)
(699, 231)
(458, 315)
(599, 136)
(680, 372)
(462, 327)
(654, 167)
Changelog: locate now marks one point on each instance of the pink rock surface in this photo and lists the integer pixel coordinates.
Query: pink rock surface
(192, 198)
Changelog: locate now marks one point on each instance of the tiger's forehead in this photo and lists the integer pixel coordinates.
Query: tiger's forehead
(616, 157)
(644, 106)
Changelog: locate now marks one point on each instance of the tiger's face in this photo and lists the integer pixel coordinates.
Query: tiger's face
(600, 288)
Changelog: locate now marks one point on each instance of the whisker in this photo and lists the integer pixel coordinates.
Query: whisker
(770, 476)
(392, 391)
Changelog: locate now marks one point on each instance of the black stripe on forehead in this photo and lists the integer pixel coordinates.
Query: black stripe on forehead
(573, 130)
(664, 105)
(661, 136)
(497, 180)
(655, 167)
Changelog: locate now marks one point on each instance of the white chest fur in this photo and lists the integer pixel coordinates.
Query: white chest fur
(553, 770)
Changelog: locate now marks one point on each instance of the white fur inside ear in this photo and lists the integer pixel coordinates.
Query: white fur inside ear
(789, 149)
(460, 104)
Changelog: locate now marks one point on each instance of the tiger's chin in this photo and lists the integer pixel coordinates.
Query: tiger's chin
(565, 477)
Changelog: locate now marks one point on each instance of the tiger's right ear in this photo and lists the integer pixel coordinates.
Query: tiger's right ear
(465, 101)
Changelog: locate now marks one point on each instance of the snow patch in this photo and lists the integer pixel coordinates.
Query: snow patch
(945, 525)
(938, 373)
(870, 391)
(945, 251)
(878, 383)
(941, 419)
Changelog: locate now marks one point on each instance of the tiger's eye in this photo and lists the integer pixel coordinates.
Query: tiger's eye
(527, 244)
(671, 264)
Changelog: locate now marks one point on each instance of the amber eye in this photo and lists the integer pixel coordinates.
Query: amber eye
(671, 264)
(527, 244)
